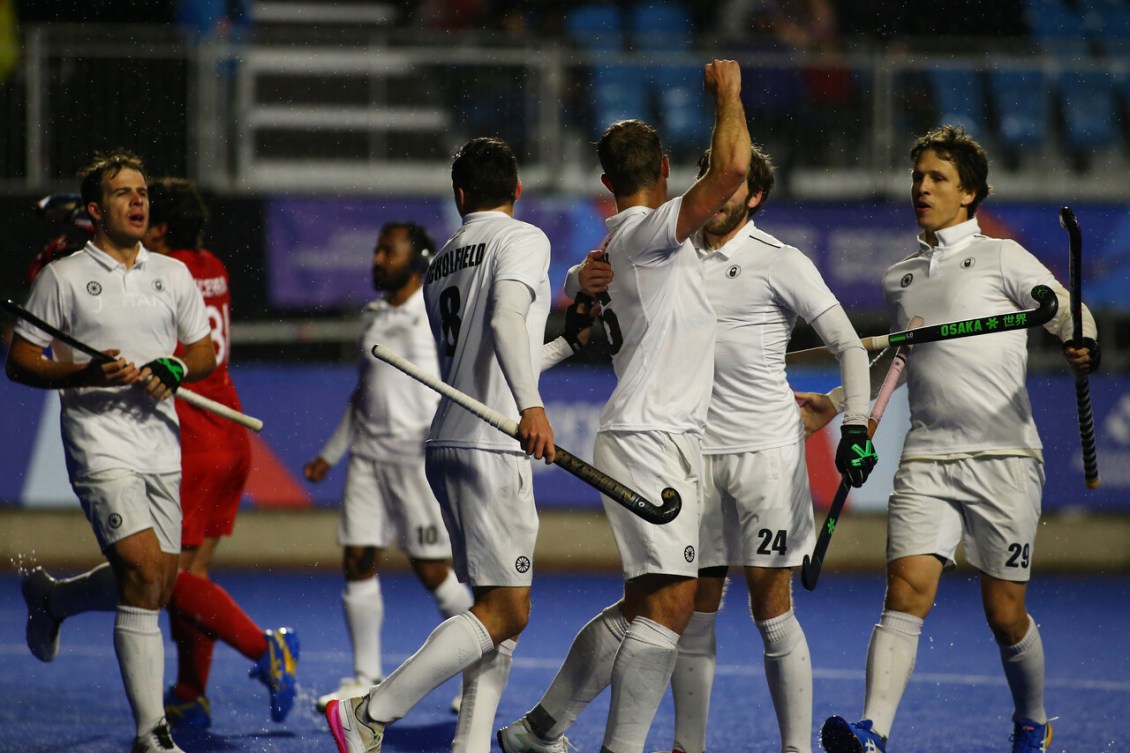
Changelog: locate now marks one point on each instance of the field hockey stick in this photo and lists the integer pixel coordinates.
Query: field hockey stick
(183, 394)
(1082, 384)
(1046, 307)
(634, 502)
(810, 570)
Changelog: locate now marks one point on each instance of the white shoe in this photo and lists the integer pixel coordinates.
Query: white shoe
(352, 730)
(350, 687)
(42, 627)
(519, 738)
(156, 740)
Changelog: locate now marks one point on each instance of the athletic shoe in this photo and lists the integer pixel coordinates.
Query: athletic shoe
(194, 714)
(156, 740)
(1029, 737)
(42, 627)
(841, 736)
(350, 687)
(277, 670)
(352, 731)
(519, 738)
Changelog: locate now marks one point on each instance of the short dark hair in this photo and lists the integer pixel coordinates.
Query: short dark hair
(758, 180)
(953, 144)
(105, 165)
(631, 155)
(487, 171)
(423, 245)
(177, 203)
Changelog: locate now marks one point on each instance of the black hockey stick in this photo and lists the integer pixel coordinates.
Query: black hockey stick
(810, 570)
(1046, 307)
(186, 395)
(634, 502)
(1082, 384)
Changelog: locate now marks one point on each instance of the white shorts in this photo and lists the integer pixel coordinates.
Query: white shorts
(383, 499)
(991, 503)
(756, 509)
(647, 462)
(487, 500)
(120, 502)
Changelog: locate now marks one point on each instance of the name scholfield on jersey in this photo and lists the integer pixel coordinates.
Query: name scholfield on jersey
(454, 260)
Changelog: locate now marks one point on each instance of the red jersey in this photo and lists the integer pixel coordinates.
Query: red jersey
(200, 430)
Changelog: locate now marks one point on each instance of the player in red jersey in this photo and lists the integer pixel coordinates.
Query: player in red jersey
(216, 460)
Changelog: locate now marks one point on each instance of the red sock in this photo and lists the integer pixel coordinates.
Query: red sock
(194, 657)
(214, 611)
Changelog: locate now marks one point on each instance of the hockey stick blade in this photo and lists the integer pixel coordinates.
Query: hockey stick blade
(1084, 410)
(670, 501)
(98, 356)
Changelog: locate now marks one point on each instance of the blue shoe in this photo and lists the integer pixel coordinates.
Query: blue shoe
(1029, 737)
(194, 714)
(838, 735)
(277, 669)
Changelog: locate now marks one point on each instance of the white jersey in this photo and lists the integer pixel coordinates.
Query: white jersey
(659, 323)
(142, 311)
(758, 287)
(489, 247)
(967, 396)
(389, 412)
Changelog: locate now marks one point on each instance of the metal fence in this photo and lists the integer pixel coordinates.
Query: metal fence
(382, 115)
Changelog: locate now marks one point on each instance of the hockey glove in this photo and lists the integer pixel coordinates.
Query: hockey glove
(170, 370)
(856, 456)
(1092, 346)
(577, 321)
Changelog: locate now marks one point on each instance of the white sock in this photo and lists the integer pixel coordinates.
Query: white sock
(640, 676)
(890, 662)
(94, 591)
(452, 597)
(141, 659)
(788, 670)
(1024, 668)
(482, 689)
(692, 682)
(364, 609)
(586, 671)
(457, 643)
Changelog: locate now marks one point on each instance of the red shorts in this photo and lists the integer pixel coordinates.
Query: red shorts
(211, 489)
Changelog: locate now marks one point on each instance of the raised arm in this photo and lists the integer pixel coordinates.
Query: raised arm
(729, 150)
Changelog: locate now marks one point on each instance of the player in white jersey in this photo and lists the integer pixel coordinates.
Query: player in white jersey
(487, 296)
(384, 428)
(120, 432)
(661, 330)
(757, 507)
(972, 463)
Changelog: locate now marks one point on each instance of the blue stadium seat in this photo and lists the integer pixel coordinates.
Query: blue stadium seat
(1021, 99)
(1109, 23)
(1058, 28)
(960, 98)
(1087, 102)
(617, 91)
(597, 27)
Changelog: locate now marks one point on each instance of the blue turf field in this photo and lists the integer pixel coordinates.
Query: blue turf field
(957, 701)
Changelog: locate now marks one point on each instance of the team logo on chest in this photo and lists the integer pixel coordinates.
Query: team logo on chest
(94, 288)
(968, 263)
(733, 271)
(159, 285)
(906, 279)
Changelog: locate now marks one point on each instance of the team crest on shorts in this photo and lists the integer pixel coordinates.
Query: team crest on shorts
(114, 521)
(906, 279)
(733, 271)
(522, 564)
(159, 285)
(93, 288)
(688, 554)
(968, 263)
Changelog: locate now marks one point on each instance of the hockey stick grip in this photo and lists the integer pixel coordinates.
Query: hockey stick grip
(98, 356)
(636, 503)
(1084, 410)
(1087, 431)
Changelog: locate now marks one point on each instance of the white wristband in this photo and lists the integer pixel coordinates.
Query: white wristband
(837, 398)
